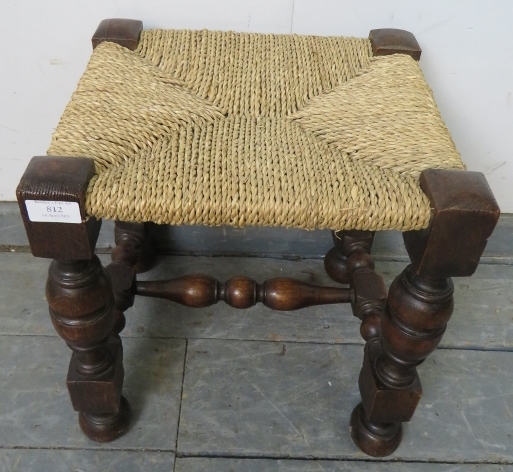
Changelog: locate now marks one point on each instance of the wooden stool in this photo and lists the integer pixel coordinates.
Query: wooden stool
(324, 174)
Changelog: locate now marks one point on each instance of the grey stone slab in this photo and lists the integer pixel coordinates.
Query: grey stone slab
(51, 460)
(291, 400)
(389, 245)
(23, 308)
(483, 315)
(36, 411)
(106, 238)
(291, 465)
(483, 310)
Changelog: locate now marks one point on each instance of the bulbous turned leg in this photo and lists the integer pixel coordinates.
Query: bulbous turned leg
(345, 244)
(350, 262)
(81, 306)
(78, 291)
(420, 303)
(416, 315)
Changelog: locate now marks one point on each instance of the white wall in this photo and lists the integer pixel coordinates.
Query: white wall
(467, 59)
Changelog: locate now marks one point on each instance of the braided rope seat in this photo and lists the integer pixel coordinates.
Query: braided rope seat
(223, 128)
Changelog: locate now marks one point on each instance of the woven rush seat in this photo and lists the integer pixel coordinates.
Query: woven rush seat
(223, 128)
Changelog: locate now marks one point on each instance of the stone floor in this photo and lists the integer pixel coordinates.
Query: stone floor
(219, 389)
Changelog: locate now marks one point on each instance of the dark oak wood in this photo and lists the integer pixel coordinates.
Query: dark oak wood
(370, 295)
(79, 294)
(375, 439)
(350, 262)
(123, 278)
(335, 265)
(134, 253)
(420, 303)
(388, 41)
(106, 428)
(120, 31)
(335, 261)
(58, 179)
(418, 310)
(385, 405)
(369, 289)
(464, 215)
(242, 292)
(80, 299)
(134, 246)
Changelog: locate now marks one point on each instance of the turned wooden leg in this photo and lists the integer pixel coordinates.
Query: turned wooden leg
(335, 262)
(80, 299)
(350, 262)
(123, 280)
(347, 243)
(133, 254)
(51, 195)
(134, 246)
(420, 303)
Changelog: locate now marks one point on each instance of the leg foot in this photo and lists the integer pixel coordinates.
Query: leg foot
(105, 428)
(376, 440)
